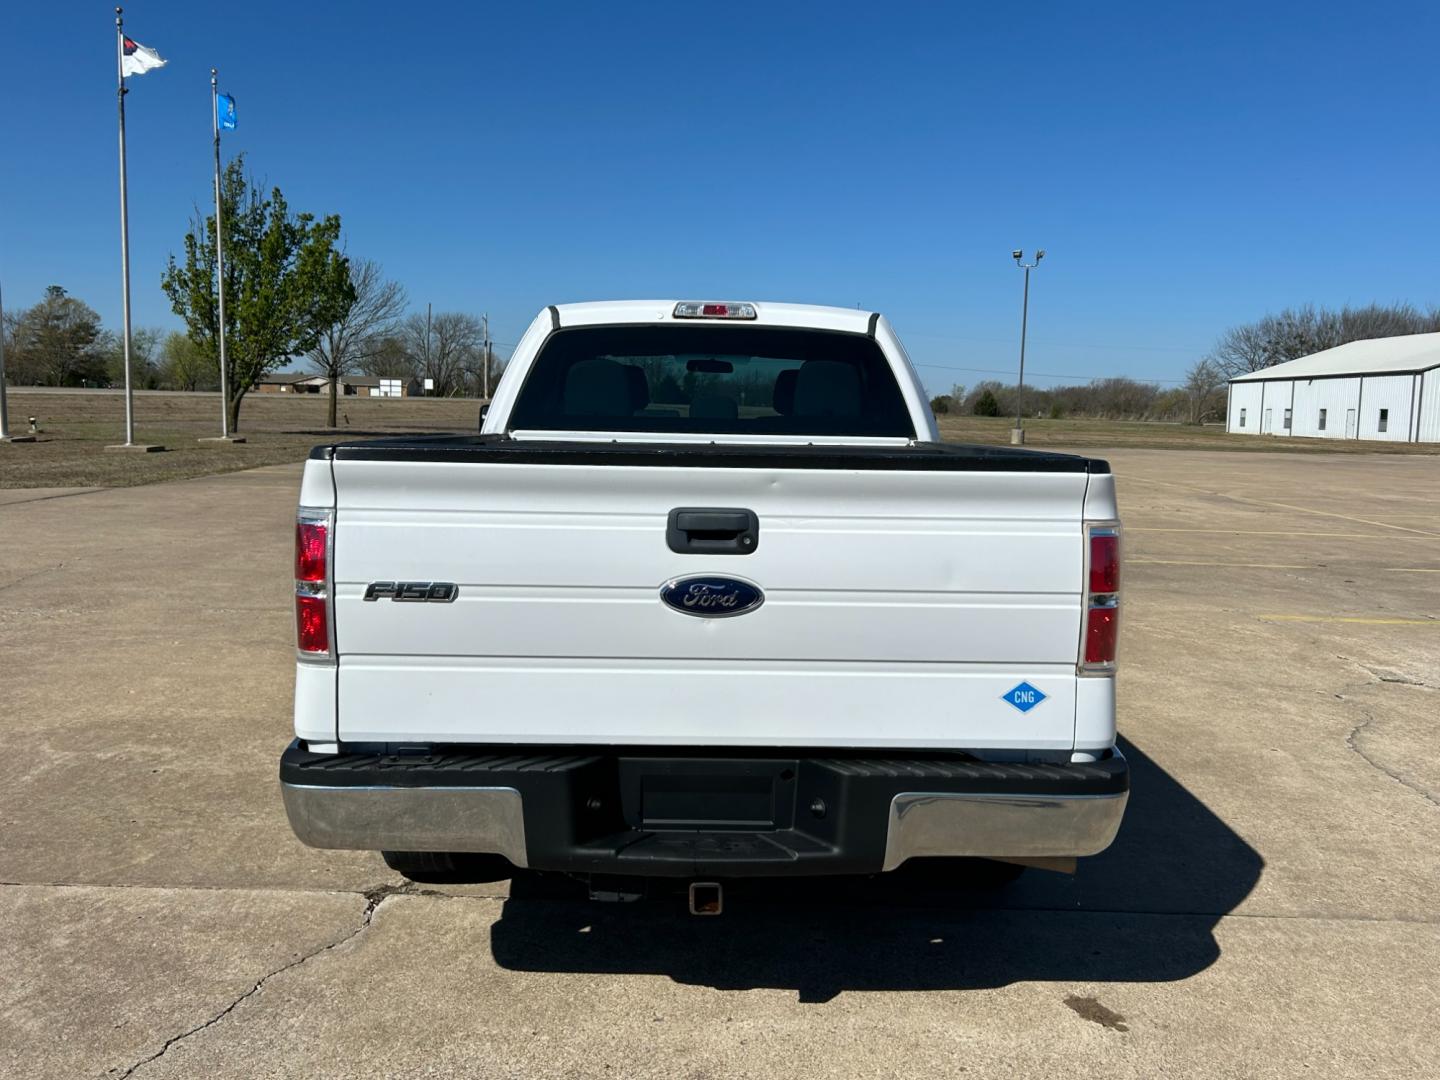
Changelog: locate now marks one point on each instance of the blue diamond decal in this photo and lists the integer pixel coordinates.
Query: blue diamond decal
(1024, 697)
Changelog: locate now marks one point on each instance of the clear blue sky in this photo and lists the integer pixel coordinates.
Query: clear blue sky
(1185, 169)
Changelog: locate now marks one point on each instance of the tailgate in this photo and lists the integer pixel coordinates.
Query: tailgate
(900, 608)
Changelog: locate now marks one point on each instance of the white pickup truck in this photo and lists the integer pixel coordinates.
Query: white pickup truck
(705, 597)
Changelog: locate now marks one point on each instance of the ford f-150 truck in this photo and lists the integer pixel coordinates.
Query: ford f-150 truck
(705, 597)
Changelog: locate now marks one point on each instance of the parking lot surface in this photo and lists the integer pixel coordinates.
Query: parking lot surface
(1269, 909)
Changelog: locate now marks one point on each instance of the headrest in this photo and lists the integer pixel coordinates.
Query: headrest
(784, 393)
(714, 407)
(639, 387)
(600, 387)
(827, 388)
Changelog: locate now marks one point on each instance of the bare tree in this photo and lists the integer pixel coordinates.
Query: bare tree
(1297, 332)
(389, 357)
(344, 346)
(446, 351)
(477, 367)
(144, 353)
(1202, 386)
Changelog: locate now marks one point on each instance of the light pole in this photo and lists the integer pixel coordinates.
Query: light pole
(1017, 434)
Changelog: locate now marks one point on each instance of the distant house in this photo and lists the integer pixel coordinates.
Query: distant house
(288, 382)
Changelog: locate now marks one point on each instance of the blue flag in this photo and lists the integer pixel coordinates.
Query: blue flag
(225, 112)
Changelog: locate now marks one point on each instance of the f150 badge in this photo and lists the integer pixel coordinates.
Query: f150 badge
(710, 597)
(413, 592)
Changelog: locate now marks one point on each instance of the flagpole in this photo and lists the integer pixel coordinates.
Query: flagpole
(4, 408)
(220, 257)
(5, 436)
(124, 230)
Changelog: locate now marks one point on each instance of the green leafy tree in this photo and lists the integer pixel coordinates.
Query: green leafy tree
(285, 282)
(987, 404)
(184, 365)
(58, 342)
(940, 404)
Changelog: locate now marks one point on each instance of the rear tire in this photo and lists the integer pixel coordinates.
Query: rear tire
(441, 867)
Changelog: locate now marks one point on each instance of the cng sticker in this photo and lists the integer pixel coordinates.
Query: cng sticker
(1024, 697)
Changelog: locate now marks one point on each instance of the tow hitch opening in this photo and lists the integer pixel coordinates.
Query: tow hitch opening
(706, 898)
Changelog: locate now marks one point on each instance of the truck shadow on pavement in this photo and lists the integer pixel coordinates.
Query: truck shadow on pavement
(1144, 911)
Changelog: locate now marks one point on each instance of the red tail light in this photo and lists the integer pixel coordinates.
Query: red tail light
(312, 582)
(1104, 561)
(312, 624)
(1101, 627)
(310, 540)
(1100, 634)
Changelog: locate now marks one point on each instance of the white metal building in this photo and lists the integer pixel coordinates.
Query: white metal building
(1384, 388)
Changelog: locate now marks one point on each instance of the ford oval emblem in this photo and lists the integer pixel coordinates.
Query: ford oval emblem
(710, 597)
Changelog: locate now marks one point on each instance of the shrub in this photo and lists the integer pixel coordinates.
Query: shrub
(986, 405)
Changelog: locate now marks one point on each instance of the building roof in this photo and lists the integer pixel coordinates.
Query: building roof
(1375, 356)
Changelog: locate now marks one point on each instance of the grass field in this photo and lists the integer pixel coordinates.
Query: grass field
(76, 426)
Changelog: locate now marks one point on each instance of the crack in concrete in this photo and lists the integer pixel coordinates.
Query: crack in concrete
(1352, 740)
(406, 889)
(374, 897)
(1385, 675)
(61, 495)
(31, 576)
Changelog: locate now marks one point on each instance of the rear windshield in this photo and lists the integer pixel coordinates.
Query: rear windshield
(732, 380)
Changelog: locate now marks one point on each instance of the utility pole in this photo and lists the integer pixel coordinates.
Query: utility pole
(485, 363)
(1017, 434)
(427, 344)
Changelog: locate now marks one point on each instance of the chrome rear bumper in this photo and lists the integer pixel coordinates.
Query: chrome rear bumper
(651, 815)
(1001, 826)
(480, 819)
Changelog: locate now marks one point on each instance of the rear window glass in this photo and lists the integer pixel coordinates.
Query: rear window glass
(730, 380)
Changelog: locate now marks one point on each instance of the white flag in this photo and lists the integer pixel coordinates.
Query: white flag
(136, 59)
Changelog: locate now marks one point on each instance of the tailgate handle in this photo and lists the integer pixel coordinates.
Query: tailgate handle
(698, 530)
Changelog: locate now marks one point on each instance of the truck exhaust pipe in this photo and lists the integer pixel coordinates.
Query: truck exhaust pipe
(706, 898)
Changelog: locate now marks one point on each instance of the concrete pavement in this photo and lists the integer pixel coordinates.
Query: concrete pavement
(1267, 911)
